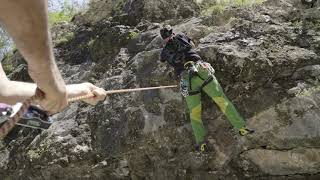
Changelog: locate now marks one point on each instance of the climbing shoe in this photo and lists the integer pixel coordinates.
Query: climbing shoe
(245, 131)
(202, 147)
(35, 118)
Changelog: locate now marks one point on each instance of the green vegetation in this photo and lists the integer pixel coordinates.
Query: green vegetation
(317, 24)
(65, 38)
(90, 43)
(6, 44)
(57, 17)
(65, 13)
(213, 7)
(213, 10)
(118, 6)
(33, 154)
(7, 63)
(132, 35)
(310, 91)
(8, 68)
(2, 42)
(296, 22)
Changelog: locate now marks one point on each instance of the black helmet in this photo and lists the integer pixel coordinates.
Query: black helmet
(166, 31)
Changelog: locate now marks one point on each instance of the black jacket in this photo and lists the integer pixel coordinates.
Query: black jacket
(178, 51)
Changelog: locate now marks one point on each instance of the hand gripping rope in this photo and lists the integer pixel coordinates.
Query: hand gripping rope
(8, 125)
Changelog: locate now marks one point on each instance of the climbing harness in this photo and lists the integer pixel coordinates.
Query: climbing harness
(192, 69)
(24, 114)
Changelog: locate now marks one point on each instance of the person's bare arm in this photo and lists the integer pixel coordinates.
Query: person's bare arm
(12, 92)
(76, 90)
(26, 21)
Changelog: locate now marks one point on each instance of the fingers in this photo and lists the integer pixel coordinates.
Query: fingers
(99, 94)
(76, 90)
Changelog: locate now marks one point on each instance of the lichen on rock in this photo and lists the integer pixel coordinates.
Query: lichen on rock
(266, 58)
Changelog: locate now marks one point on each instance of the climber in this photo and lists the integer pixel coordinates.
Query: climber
(197, 76)
(27, 23)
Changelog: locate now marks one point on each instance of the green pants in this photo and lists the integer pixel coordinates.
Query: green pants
(214, 90)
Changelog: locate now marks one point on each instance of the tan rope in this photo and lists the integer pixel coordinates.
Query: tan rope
(8, 125)
(120, 91)
(139, 89)
(80, 98)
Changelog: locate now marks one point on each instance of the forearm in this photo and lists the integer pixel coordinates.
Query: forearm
(26, 22)
(13, 91)
(73, 90)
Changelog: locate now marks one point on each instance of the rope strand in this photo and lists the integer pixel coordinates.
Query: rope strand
(8, 125)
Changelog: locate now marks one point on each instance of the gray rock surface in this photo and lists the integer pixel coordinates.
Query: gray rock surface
(266, 58)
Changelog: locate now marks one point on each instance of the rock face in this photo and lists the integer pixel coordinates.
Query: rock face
(267, 59)
(132, 12)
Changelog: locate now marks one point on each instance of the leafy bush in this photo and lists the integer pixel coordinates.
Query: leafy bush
(6, 44)
(8, 68)
(65, 38)
(64, 10)
(210, 7)
(57, 17)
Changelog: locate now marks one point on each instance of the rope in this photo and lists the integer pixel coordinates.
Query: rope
(8, 125)
(139, 89)
(80, 98)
